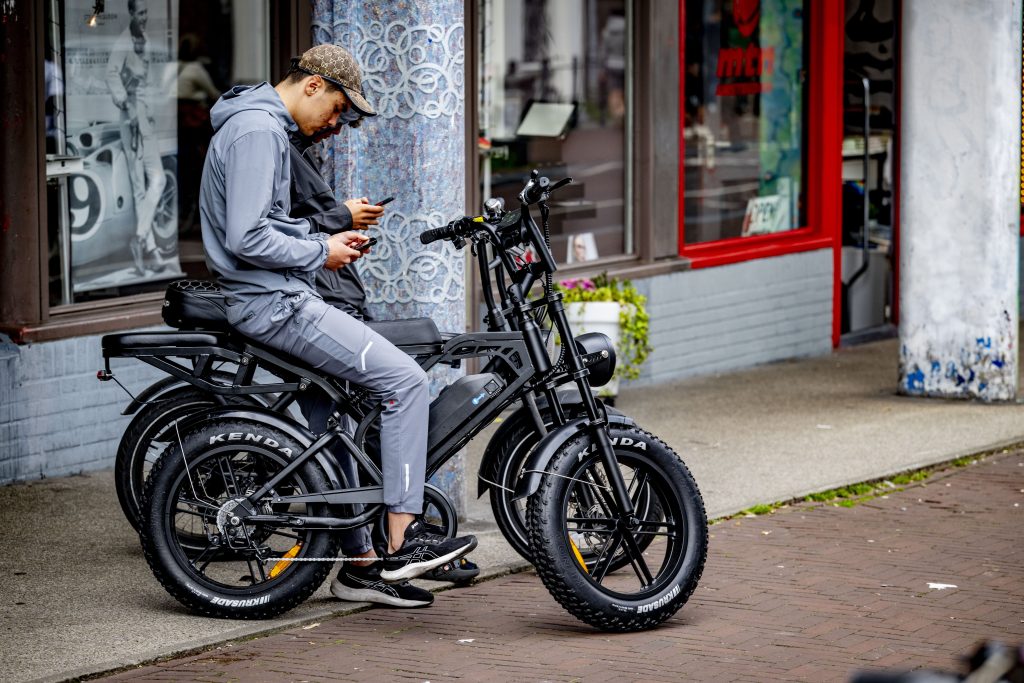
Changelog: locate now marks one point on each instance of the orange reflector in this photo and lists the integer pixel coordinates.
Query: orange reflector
(579, 558)
(283, 564)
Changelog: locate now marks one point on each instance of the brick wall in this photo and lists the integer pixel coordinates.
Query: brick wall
(736, 316)
(55, 417)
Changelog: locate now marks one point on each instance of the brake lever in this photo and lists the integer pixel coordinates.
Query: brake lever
(561, 183)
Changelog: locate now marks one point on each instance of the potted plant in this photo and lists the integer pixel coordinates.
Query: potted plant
(614, 307)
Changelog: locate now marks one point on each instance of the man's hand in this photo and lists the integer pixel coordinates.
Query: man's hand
(341, 249)
(364, 214)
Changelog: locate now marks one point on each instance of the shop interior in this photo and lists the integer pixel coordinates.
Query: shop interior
(869, 170)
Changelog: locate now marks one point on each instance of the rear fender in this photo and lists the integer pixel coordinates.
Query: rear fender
(278, 421)
(154, 389)
(533, 471)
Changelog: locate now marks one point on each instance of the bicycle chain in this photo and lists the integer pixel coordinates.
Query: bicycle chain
(322, 559)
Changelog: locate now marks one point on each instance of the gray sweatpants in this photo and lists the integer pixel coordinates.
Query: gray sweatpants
(302, 325)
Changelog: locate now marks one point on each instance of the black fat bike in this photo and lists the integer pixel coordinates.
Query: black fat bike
(241, 509)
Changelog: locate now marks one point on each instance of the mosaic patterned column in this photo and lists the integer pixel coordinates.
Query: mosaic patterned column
(412, 55)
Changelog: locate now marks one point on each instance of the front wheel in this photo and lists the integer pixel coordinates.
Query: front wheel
(577, 533)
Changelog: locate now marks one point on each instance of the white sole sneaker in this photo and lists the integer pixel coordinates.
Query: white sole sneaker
(379, 597)
(414, 569)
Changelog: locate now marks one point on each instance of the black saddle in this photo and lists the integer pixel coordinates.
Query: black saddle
(195, 305)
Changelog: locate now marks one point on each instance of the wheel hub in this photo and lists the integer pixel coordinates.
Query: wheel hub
(230, 518)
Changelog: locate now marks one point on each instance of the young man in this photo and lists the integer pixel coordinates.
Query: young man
(266, 262)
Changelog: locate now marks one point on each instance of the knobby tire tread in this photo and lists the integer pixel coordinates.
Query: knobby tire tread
(553, 576)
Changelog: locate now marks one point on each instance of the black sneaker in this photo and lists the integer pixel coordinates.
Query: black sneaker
(363, 584)
(422, 551)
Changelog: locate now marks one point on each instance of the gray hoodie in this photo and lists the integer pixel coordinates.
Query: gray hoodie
(252, 245)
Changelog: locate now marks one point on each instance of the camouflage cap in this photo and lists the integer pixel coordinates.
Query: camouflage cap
(337, 65)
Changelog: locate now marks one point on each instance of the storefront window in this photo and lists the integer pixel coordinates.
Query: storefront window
(745, 112)
(554, 95)
(129, 84)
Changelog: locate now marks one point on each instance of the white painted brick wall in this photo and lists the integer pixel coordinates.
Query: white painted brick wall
(55, 417)
(740, 315)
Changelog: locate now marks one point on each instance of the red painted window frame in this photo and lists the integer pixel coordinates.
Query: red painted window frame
(824, 157)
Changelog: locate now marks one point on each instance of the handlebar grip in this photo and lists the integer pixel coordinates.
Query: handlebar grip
(435, 234)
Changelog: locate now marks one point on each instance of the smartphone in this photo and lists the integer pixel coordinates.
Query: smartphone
(385, 201)
(367, 244)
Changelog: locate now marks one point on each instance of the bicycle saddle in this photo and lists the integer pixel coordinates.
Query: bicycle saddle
(200, 305)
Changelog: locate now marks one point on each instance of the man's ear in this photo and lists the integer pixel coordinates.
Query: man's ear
(313, 84)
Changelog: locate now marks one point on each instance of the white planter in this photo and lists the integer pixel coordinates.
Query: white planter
(597, 316)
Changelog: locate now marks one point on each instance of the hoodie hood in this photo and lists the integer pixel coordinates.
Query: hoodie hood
(241, 98)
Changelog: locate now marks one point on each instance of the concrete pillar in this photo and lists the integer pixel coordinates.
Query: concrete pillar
(960, 128)
(412, 56)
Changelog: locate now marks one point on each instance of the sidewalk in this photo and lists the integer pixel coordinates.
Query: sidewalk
(79, 598)
(810, 593)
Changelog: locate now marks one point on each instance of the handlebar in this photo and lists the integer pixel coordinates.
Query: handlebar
(461, 227)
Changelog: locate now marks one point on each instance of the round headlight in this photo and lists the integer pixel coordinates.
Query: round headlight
(595, 342)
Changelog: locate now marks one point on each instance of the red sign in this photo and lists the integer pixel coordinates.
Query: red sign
(743, 66)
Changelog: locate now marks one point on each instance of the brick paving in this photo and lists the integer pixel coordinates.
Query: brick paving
(812, 592)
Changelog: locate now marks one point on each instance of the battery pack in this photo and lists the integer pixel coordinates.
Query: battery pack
(459, 402)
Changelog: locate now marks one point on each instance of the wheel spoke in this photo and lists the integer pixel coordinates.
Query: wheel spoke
(591, 520)
(201, 515)
(227, 475)
(636, 559)
(248, 563)
(603, 500)
(196, 561)
(644, 476)
(609, 550)
(198, 503)
(581, 530)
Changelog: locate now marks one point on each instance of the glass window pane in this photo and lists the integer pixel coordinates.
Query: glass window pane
(744, 118)
(129, 86)
(553, 97)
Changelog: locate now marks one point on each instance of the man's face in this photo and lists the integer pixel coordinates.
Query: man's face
(140, 16)
(320, 108)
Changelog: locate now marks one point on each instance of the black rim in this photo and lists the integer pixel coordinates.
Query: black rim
(592, 524)
(190, 512)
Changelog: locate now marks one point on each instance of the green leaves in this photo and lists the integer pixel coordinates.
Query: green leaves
(634, 322)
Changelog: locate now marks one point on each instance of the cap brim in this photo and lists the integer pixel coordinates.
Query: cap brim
(359, 102)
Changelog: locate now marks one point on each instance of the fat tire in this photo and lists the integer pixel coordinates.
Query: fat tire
(512, 441)
(559, 570)
(293, 587)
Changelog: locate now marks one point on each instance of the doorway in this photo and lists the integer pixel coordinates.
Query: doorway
(868, 277)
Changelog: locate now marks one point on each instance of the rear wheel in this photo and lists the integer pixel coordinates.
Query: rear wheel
(245, 570)
(577, 531)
